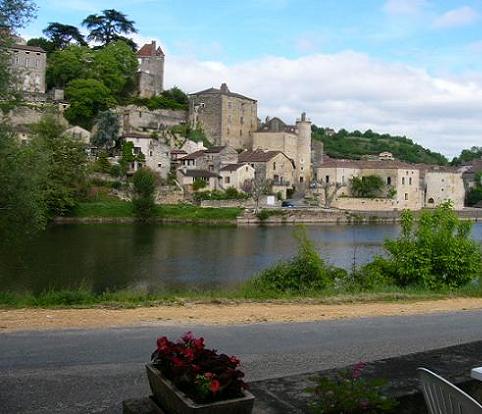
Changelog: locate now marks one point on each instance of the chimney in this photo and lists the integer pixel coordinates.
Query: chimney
(303, 117)
(224, 88)
(153, 48)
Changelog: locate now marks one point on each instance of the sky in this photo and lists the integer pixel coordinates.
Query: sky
(405, 67)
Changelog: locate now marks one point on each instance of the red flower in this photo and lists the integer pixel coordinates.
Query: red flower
(234, 360)
(188, 337)
(198, 343)
(177, 361)
(188, 353)
(209, 376)
(215, 386)
(357, 370)
(162, 344)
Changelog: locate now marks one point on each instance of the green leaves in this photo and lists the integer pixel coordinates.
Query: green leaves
(145, 181)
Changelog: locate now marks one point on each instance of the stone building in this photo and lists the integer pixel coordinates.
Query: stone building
(187, 177)
(293, 140)
(157, 155)
(442, 184)
(236, 176)
(29, 64)
(141, 119)
(402, 186)
(151, 70)
(227, 118)
(79, 133)
(211, 159)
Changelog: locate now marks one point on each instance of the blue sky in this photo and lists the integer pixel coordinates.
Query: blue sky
(425, 55)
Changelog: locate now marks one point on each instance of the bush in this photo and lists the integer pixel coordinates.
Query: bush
(145, 181)
(439, 252)
(303, 273)
(230, 194)
(199, 184)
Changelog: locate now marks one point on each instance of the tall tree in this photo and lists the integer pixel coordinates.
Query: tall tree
(62, 35)
(108, 26)
(107, 131)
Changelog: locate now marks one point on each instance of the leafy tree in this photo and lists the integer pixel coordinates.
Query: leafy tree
(369, 186)
(15, 14)
(468, 155)
(474, 195)
(72, 63)
(116, 66)
(65, 160)
(107, 130)
(87, 98)
(42, 42)
(62, 35)
(145, 181)
(108, 26)
(438, 252)
(22, 207)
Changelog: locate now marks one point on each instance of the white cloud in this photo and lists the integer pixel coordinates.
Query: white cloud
(457, 17)
(404, 6)
(350, 90)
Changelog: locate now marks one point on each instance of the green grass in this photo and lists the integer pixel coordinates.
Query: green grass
(83, 298)
(118, 209)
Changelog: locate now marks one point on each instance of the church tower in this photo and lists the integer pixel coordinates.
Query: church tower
(151, 70)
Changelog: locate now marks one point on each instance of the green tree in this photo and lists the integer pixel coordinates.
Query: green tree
(65, 161)
(145, 181)
(42, 42)
(107, 130)
(369, 186)
(108, 26)
(468, 155)
(439, 251)
(87, 98)
(72, 63)
(62, 35)
(116, 66)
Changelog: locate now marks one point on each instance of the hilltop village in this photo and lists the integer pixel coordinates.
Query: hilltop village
(219, 144)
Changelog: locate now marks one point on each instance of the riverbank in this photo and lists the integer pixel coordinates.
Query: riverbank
(189, 313)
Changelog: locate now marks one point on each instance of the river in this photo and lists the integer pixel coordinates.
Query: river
(151, 257)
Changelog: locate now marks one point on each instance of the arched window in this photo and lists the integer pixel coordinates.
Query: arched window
(431, 201)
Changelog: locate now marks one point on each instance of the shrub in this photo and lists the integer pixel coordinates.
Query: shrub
(145, 181)
(349, 393)
(438, 252)
(303, 273)
(203, 374)
(199, 184)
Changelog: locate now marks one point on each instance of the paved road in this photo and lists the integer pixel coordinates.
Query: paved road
(88, 371)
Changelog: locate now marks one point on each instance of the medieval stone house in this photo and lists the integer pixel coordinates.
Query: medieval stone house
(151, 70)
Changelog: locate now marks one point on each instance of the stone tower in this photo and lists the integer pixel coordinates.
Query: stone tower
(151, 70)
(303, 128)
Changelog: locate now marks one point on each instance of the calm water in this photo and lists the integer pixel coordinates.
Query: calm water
(148, 257)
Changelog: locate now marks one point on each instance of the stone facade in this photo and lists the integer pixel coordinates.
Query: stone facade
(226, 118)
(443, 184)
(211, 159)
(151, 70)
(292, 140)
(79, 134)
(236, 175)
(137, 118)
(186, 178)
(401, 179)
(274, 166)
(157, 155)
(29, 64)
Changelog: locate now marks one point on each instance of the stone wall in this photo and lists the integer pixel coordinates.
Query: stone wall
(30, 65)
(151, 76)
(364, 204)
(239, 119)
(444, 186)
(205, 111)
(142, 119)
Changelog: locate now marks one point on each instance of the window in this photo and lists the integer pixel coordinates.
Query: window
(246, 168)
(327, 179)
(389, 180)
(403, 180)
(343, 179)
(27, 62)
(227, 180)
(240, 132)
(274, 166)
(159, 165)
(406, 196)
(140, 114)
(241, 120)
(410, 181)
(36, 63)
(301, 179)
(430, 200)
(150, 153)
(227, 131)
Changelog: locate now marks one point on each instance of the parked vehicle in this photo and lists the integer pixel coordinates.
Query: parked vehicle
(287, 204)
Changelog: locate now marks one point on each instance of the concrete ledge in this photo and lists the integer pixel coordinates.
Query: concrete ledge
(141, 406)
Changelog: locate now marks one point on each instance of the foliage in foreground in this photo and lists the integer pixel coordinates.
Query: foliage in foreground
(144, 203)
(305, 272)
(350, 393)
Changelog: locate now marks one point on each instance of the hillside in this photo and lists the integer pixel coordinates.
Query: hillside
(353, 145)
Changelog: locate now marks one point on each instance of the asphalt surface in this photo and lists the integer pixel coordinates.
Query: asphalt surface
(92, 371)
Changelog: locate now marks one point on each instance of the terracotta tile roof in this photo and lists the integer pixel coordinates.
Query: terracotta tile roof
(215, 150)
(193, 155)
(199, 173)
(178, 151)
(233, 167)
(149, 49)
(257, 156)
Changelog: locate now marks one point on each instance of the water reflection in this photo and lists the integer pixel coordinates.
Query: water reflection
(101, 257)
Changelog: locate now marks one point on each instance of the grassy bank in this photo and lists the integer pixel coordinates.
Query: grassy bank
(128, 299)
(181, 212)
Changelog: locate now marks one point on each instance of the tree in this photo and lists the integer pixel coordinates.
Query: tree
(107, 130)
(329, 195)
(256, 188)
(62, 35)
(468, 155)
(42, 42)
(72, 63)
(145, 181)
(369, 186)
(87, 98)
(15, 14)
(65, 161)
(108, 26)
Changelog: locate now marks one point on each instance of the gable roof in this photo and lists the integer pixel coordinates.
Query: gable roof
(198, 173)
(149, 50)
(259, 156)
(234, 167)
(215, 150)
(193, 155)
(223, 90)
(28, 48)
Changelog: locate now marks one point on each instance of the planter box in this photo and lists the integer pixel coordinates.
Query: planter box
(176, 402)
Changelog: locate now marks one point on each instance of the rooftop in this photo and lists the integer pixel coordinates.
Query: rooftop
(149, 50)
(198, 173)
(366, 164)
(28, 48)
(193, 155)
(258, 156)
(233, 167)
(223, 90)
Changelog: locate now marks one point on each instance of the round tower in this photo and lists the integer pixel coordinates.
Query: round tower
(303, 163)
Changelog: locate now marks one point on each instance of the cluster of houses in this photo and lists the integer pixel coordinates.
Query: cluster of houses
(242, 148)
